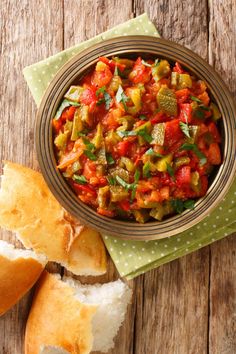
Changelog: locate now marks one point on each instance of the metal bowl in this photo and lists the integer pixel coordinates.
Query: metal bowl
(148, 47)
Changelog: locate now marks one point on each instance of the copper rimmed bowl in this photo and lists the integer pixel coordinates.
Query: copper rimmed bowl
(147, 47)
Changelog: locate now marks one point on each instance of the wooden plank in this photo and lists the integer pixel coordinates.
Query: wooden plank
(96, 17)
(30, 31)
(222, 325)
(173, 304)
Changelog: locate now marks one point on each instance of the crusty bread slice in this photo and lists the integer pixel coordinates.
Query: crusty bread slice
(54, 319)
(28, 208)
(57, 318)
(19, 270)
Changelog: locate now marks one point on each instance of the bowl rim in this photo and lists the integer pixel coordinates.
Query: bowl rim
(64, 194)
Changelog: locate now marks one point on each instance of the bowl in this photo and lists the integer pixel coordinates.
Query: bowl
(133, 46)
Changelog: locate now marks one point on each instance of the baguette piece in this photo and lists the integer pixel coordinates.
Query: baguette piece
(28, 208)
(58, 319)
(54, 317)
(19, 270)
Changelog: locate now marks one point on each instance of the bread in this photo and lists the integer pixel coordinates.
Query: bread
(19, 270)
(56, 317)
(28, 208)
(52, 350)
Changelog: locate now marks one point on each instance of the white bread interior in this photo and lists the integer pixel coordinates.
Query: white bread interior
(111, 300)
(28, 208)
(19, 270)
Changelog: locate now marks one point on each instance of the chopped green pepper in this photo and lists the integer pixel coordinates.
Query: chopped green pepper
(128, 163)
(167, 101)
(215, 112)
(61, 140)
(158, 134)
(103, 196)
(74, 92)
(77, 125)
(180, 161)
(162, 164)
(98, 139)
(118, 193)
(162, 69)
(181, 81)
(141, 216)
(127, 123)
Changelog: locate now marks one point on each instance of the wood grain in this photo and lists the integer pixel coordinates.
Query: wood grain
(27, 35)
(178, 291)
(187, 306)
(222, 321)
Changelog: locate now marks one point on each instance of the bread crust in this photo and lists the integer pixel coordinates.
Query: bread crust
(28, 208)
(57, 318)
(17, 276)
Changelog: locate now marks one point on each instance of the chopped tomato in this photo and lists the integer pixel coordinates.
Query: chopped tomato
(140, 72)
(123, 147)
(214, 154)
(183, 175)
(85, 188)
(185, 112)
(215, 132)
(124, 205)
(112, 64)
(88, 96)
(106, 212)
(57, 124)
(173, 133)
(177, 68)
(182, 95)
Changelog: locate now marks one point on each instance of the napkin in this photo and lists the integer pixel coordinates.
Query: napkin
(136, 257)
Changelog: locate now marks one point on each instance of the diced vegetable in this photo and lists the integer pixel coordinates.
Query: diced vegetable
(103, 196)
(215, 111)
(141, 216)
(163, 162)
(74, 92)
(77, 125)
(137, 139)
(158, 134)
(162, 69)
(167, 101)
(118, 193)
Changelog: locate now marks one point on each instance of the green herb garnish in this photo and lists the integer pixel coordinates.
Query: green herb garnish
(156, 62)
(145, 135)
(199, 114)
(63, 105)
(107, 98)
(123, 133)
(100, 90)
(90, 146)
(109, 159)
(197, 152)
(142, 117)
(111, 180)
(170, 170)
(130, 186)
(146, 169)
(121, 97)
(153, 153)
(90, 155)
(116, 72)
(185, 128)
(179, 205)
(80, 179)
(193, 98)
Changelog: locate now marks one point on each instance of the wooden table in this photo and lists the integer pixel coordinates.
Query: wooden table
(187, 306)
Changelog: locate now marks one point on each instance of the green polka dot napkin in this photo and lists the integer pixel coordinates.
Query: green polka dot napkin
(136, 257)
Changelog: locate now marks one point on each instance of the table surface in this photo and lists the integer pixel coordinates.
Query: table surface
(187, 306)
